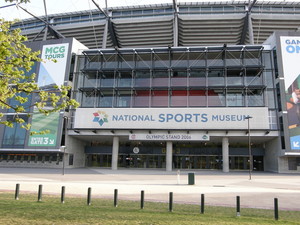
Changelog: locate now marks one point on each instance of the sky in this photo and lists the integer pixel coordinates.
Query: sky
(61, 6)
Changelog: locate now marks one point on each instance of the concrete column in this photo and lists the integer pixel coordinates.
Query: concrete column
(175, 24)
(169, 156)
(250, 30)
(175, 30)
(115, 153)
(225, 153)
(105, 33)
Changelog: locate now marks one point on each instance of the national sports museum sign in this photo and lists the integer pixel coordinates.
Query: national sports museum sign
(171, 118)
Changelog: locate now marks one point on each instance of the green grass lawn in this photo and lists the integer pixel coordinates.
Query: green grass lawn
(27, 210)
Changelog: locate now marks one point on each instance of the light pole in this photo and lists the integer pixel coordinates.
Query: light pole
(249, 146)
(65, 146)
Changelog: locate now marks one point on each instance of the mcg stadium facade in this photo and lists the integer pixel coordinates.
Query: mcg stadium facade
(206, 85)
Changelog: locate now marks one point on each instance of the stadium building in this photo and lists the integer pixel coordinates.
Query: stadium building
(206, 85)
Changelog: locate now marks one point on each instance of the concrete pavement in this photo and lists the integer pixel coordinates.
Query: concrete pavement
(219, 188)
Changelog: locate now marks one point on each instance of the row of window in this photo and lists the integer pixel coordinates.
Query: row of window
(170, 60)
(55, 158)
(147, 79)
(175, 98)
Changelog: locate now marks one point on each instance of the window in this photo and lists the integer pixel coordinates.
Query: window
(71, 159)
(125, 79)
(107, 79)
(255, 97)
(143, 61)
(197, 78)
(215, 58)
(234, 58)
(106, 99)
(179, 60)
(160, 98)
(90, 79)
(109, 61)
(160, 79)
(124, 99)
(235, 76)
(179, 98)
(126, 61)
(234, 98)
(161, 60)
(197, 59)
(15, 136)
(216, 77)
(142, 79)
(89, 98)
(179, 79)
(197, 98)
(141, 98)
(216, 97)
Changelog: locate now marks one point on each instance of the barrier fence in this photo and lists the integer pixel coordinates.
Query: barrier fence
(142, 200)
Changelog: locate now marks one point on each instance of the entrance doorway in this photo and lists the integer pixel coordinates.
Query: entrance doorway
(213, 162)
(142, 161)
(98, 160)
(197, 162)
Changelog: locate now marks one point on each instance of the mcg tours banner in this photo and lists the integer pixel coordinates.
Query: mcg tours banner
(50, 74)
(290, 50)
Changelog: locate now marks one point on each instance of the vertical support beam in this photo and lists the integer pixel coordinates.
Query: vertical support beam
(175, 30)
(250, 30)
(169, 156)
(105, 33)
(46, 33)
(115, 152)
(225, 154)
(175, 24)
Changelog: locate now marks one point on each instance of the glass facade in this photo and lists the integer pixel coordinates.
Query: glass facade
(14, 136)
(176, 77)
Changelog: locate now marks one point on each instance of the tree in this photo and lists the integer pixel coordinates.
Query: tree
(18, 85)
(18, 1)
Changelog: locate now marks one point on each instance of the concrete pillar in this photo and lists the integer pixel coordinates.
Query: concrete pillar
(250, 30)
(169, 156)
(115, 153)
(225, 153)
(175, 24)
(105, 34)
(175, 30)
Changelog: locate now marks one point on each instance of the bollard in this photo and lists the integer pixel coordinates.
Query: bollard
(116, 198)
(171, 202)
(17, 192)
(62, 198)
(40, 193)
(202, 204)
(89, 196)
(276, 208)
(238, 206)
(142, 199)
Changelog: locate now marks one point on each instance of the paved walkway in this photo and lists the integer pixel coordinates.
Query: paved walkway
(219, 188)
